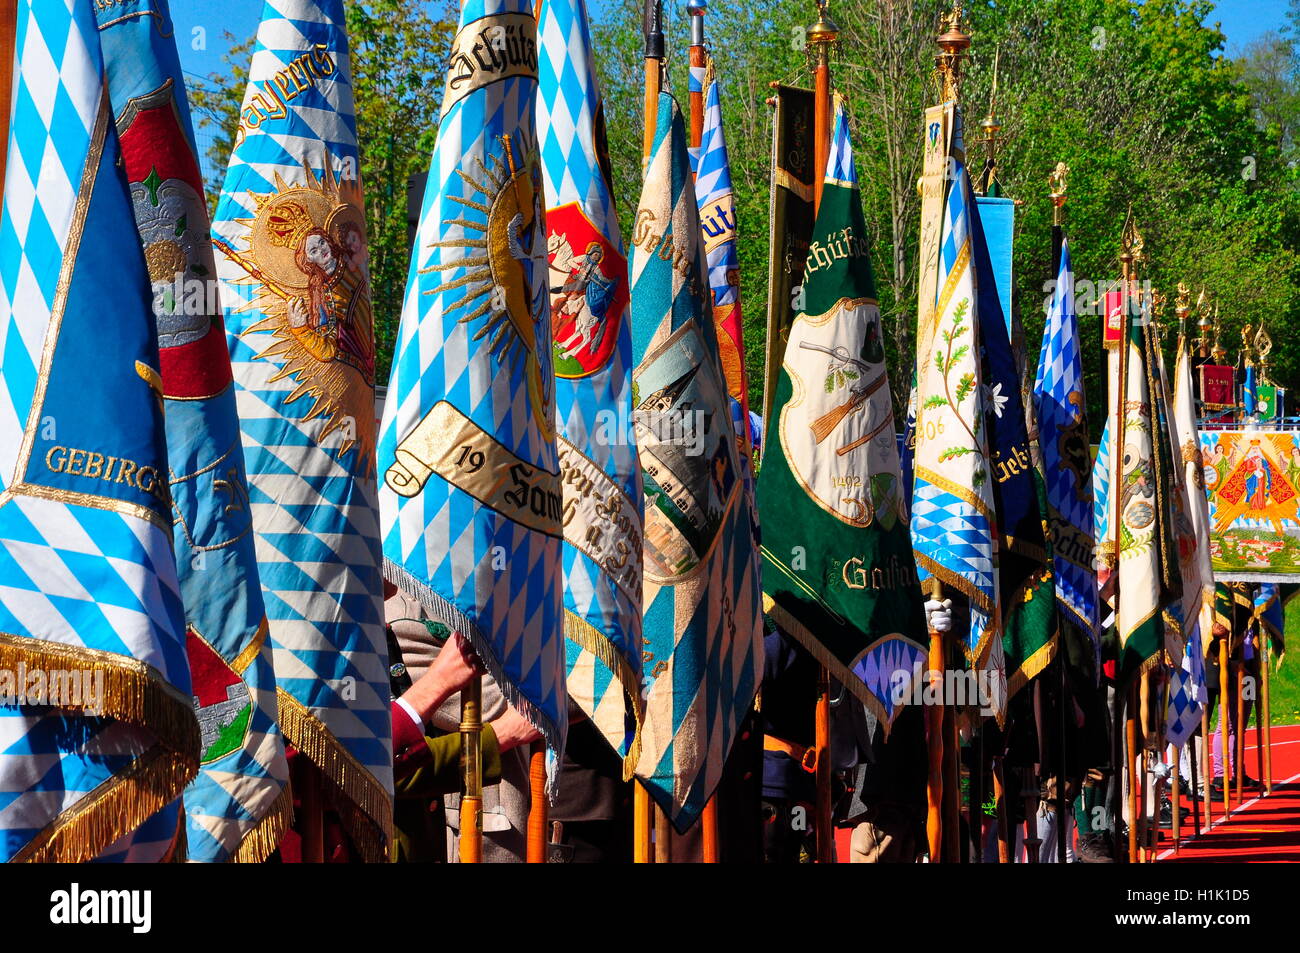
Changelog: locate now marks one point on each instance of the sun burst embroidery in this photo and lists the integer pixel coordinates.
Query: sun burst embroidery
(307, 255)
(498, 263)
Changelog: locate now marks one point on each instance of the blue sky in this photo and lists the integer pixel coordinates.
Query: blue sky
(1243, 21)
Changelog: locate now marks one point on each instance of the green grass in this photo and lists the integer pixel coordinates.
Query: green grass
(1284, 686)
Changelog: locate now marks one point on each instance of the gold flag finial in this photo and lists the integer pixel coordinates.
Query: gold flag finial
(1263, 347)
(991, 139)
(1182, 307)
(823, 37)
(1132, 240)
(953, 44)
(1157, 313)
(1058, 184)
(1217, 350)
(1203, 324)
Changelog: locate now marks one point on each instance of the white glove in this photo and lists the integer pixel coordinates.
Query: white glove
(938, 615)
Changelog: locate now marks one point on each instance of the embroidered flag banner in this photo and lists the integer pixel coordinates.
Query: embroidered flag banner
(239, 804)
(953, 506)
(838, 569)
(290, 235)
(718, 223)
(98, 734)
(600, 470)
(1067, 456)
(998, 216)
(1187, 698)
(1251, 482)
(793, 176)
(1025, 590)
(1141, 478)
(703, 615)
(1195, 612)
(472, 501)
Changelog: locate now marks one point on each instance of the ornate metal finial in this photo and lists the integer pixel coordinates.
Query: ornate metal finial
(695, 10)
(823, 37)
(1057, 183)
(1217, 350)
(1247, 351)
(991, 140)
(1263, 347)
(1182, 307)
(1158, 300)
(1132, 240)
(953, 44)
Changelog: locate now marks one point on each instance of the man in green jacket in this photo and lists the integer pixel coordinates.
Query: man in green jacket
(427, 766)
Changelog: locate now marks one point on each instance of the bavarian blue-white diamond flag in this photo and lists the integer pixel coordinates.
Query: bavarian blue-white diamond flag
(239, 804)
(952, 503)
(471, 498)
(703, 618)
(717, 203)
(1067, 458)
(601, 474)
(295, 285)
(97, 731)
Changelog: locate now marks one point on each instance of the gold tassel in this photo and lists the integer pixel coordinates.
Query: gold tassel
(590, 639)
(265, 835)
(117, 807)
(365, 807)
(134, 693)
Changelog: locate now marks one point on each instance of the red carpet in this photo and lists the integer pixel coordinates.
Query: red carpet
(1261, 830)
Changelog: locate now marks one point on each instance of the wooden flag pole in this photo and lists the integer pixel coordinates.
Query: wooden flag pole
(538, 806)
(1239, 731)
(1006, 836)
(1265, 716)
(951, 784)
(471, 767)
(1192, 757)
(698, 60)
(640, 824)
(8, 39)
(1207, 770)
(822, 37)
(1223, 723)
(1134, 775)
(1146, 731)
(1127, 259)
(663, 837)
(696, 9)
(935, 741)
(652, 26)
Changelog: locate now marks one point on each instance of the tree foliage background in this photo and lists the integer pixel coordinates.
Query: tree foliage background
(1139, 99)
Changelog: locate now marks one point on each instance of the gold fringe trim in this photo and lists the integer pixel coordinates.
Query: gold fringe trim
(251, 650)
(118, 806)
(365, 806)
(265, 835)
(135, 694)
(792, 626)
(1033, 666)
(590, 639)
